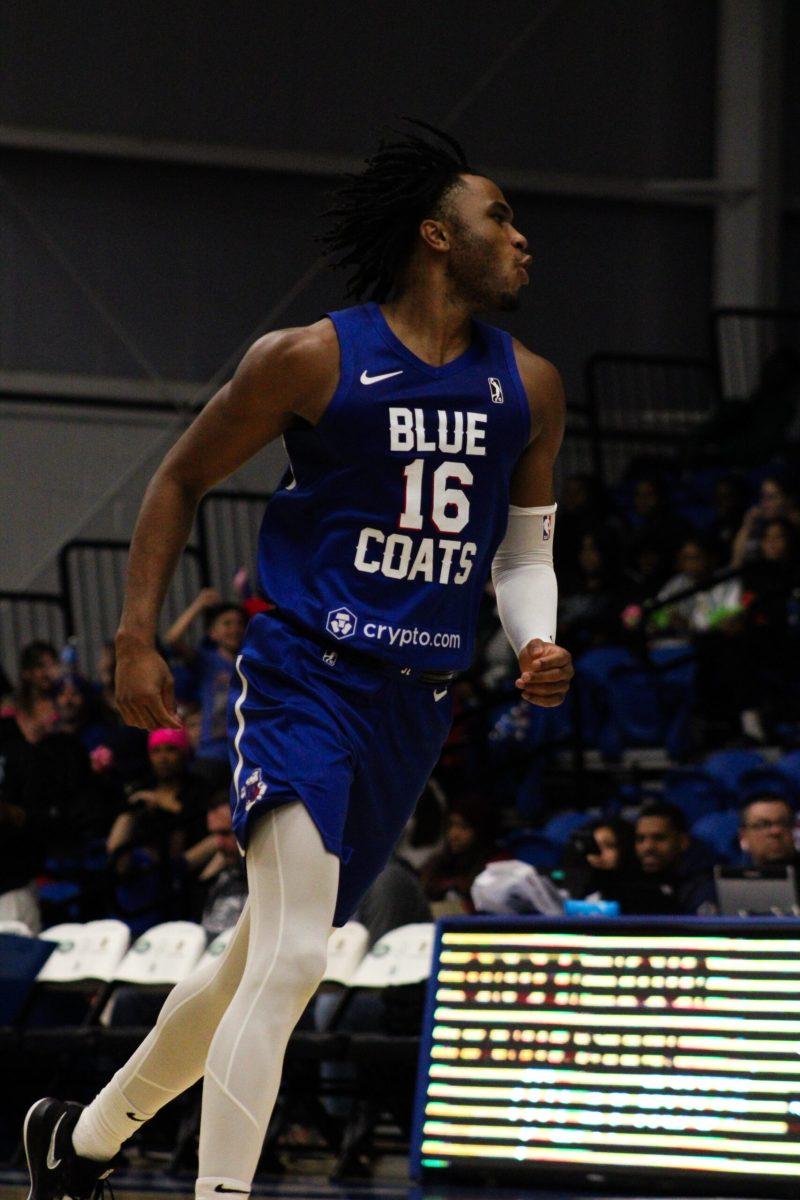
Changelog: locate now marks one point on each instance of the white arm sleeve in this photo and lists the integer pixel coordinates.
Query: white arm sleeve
(523, 576)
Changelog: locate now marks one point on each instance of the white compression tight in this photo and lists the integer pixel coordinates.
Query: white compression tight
(230, 1021)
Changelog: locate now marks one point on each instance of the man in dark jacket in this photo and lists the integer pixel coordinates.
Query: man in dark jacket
(667, 877)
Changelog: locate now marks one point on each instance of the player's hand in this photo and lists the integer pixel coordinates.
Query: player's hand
(145, 692)
(545, 672)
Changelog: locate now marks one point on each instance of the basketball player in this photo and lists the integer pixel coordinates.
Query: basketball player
(421, 446)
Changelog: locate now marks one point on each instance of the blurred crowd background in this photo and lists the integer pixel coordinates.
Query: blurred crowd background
(678, 747)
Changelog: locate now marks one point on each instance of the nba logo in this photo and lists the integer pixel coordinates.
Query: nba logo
(547, 526)
(495, 390)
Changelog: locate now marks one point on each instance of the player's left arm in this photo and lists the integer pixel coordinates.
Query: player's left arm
(523, 574)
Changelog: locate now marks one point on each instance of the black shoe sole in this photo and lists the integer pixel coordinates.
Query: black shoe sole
(31, 1194)
(34, 1153)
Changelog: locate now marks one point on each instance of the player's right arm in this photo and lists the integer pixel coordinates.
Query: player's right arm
(285, 374)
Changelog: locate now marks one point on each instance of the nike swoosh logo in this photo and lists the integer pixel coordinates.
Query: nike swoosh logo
(368, 379)
(133, 1117)
(221, 1188)
(52, 1161)
(440, 695)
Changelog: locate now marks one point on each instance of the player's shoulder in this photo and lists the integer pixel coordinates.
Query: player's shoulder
(315, 346)
(301, 361)
(534, 368)
(543, 388)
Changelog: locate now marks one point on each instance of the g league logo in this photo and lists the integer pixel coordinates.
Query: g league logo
(495, 390)
(341, 623)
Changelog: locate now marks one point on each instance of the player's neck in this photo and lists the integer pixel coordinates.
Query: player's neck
(430, 323)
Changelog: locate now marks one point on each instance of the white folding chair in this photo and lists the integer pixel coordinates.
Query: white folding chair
(163, 955)
(346, 948)
(216, 947)
(401, 956)
(17, 927)
(91, 951)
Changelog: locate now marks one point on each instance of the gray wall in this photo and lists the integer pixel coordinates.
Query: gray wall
(112, 266)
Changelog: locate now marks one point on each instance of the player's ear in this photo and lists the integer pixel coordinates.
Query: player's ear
(434, 234)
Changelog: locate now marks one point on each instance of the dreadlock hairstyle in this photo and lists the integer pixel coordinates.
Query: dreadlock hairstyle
(376, 213)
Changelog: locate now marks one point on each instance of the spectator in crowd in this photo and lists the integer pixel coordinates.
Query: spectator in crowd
(729, 505)
(192, 716)
(220, 882)
(646, 572)
(212, 662)
(766, 825)
(776, 503)
(589, 604)
(652, 521)
(582, 509)
(772, 649)
(79, 712)
(160, 821)
(39, 674)
(713, 619)
(495, 665)
(49, 805)
(598, 856)
(423, 835)
(121, 753)
(395, 898)
(716, 604)
(447, 877)
(106, 669)
(664, 879)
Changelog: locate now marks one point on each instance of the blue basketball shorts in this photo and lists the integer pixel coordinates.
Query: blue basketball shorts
(356, 744)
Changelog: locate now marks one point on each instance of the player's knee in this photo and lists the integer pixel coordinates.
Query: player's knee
(303, 965)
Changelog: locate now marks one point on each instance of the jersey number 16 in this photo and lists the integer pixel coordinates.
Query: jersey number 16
(450, 510)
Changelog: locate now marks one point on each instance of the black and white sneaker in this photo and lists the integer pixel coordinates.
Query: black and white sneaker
(54, 1167)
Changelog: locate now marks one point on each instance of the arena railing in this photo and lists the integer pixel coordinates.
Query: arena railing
(26, 617)
(92, 578)
(745, 339)
(228, 524)
(645, 406)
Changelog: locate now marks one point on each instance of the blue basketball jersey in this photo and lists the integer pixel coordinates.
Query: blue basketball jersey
(382, 532)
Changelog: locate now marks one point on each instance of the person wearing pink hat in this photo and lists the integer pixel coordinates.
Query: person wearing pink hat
(163, 815)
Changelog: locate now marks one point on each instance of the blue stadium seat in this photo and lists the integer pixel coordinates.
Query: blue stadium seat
(590, 689)
(21, 959)
(559, 827)
(674, 679)
(728, 766)
(625, 702)
(789, 767)
(694, 793)
(595, 664)
(634, 713)
(720, 832)
(769, 780)
(530, 798)
(533, 847)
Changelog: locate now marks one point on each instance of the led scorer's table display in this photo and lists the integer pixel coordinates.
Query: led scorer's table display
(645, 1052)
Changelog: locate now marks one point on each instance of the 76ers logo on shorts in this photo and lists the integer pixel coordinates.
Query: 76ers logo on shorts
(341, 623)
(253, 789)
